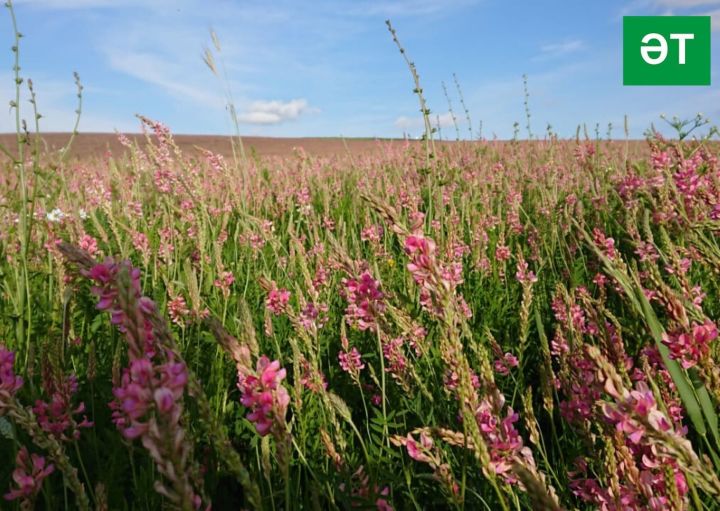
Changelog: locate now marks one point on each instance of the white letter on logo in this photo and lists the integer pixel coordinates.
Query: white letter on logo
(662, 48)
(681, 44)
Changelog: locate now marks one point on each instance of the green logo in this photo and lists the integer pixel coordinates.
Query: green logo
(666, 50)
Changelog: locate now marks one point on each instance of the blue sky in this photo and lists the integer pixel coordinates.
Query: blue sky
(329, 68)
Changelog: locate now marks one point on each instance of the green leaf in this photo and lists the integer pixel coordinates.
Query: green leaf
(6, 429)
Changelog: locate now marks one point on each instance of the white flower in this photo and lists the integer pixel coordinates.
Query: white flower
(55, 216)
(83, 214)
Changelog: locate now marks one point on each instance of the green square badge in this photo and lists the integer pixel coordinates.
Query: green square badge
(666, 50)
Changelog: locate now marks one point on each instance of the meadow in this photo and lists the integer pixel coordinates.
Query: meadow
(467, 325)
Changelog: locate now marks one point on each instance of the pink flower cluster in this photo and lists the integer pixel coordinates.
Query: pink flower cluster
(605, 243)
(423, 268)
(89, 244)
(372, 233)
(277, 300)
(425, 452)
(365, 301)
(639, 403)
(313, 317)
(644, 485)
(148, 400)
(422, 253)
(504, 364)
(10, 383)
(178, 310)
(141, 341)
(502, 252)
(503, 440)
(361, 490)
(690, 348)
(397, 362)
(351, 362)
(265, 397)
(28, 476)
(436, 281)
(224, 281)
(419, 451)
(56, 416)
(145, 389)
(581, 386)
(523, 274)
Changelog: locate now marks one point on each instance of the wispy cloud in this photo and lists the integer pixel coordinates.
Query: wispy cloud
(156, 70)
(401, 8)
(685, 4)
(553, 50)
(274, 112)
(417, 123)
(665, 7)
(56, 104)
(66, 5)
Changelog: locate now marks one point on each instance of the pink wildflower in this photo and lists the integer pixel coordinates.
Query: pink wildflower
(56, 416)
(523, 275)
(9, 382)
(504, 364)
(265, 397)
(89, 244)
(277, 300)
(224, 281)
(689, 348)
(351, 362)
(29, 474)
(418, 450)
(504, 442)
(502, 252)
(606, 244)
(313, 317)
(365, 301)
(177, 310)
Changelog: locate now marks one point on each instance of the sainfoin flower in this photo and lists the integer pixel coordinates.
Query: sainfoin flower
(146, 390)
(178, 310)
(523, 274)
(224, 281)
(28, 476)
(505, 363)
(351, 362)
(264, 396)
(419, 450)
(365, 301)
(128, 309)
(649, 475)
(503, 440)
(689, 348)
(10, 383)
(56, 416)
(148, 400)
(277, 300)
(89, 244)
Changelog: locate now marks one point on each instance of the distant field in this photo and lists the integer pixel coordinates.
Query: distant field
(93, 144)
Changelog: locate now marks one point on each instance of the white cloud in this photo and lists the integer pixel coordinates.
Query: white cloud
(552, 50)
(274, 112)
(685, 4)
(418, 123)
(401, 8)
(78, 4)
(666, 7)
(158, 71)
(714, 19)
